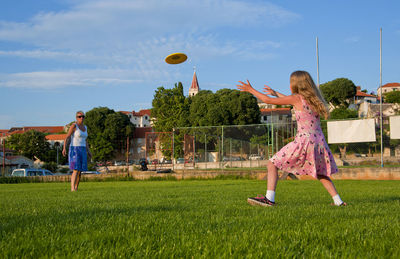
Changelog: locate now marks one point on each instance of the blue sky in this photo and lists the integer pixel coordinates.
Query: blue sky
(60, 56)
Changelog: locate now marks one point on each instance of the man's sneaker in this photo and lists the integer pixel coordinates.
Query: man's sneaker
(260, 201)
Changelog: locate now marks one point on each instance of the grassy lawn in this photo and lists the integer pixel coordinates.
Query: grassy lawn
(198, 218)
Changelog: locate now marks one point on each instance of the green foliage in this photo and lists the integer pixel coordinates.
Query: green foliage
(392, 97)
(170, 108)
(54, 152)
(225, 107)
(52, 166)
(198, 219)
(338, 91)
(107, 132)
(343, 113)
(30, 144)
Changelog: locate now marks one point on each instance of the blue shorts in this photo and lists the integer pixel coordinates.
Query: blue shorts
(77, 158)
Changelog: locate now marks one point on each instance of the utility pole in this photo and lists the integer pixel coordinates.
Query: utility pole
(127, 154)
(317, 63)
(380, 87)
(4, 154)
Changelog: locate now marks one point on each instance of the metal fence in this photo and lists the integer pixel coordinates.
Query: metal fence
(253, 145)
(236, 146)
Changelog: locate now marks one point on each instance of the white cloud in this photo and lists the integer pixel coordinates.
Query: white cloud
(125, 40)
(121, 23)
(59, 79)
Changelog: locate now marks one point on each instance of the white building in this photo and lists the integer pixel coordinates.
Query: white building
(140, 119)
(389, 87)
(361, 97)
(276, 115)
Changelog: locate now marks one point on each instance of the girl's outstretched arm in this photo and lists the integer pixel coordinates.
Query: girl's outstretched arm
(269, 91)
(284, 100)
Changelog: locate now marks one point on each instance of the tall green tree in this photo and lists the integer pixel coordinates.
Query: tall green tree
(30, 144)
(107, 132)
(170, 108)
(225, 107)
(338, 92)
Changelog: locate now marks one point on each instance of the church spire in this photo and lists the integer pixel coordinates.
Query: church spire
(194, 88)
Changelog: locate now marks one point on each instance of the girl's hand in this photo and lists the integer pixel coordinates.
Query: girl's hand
(64, 152)
(269, 91)
(245, 87)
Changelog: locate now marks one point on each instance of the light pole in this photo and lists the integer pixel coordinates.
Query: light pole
(380, 89)
(317, 62)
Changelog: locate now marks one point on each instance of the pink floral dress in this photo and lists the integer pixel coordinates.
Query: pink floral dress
(308, 153)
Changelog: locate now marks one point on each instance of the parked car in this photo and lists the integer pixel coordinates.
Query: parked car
(232, 158)
(167, 161)
(180, 160)
(255, 157)
(155, 162)
(24, 172)
(119, 163)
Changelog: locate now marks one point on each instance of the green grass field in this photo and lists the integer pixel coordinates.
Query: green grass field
(200, 219)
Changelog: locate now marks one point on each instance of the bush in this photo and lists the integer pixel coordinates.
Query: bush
(52, 166)
(343, 113)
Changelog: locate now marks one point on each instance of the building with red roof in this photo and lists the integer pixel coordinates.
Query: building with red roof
(56, 138)
(276, 115)
(140, 119)
(364, 97)
(389, 87)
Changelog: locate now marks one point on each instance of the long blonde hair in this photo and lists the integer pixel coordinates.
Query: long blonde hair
(303, 84)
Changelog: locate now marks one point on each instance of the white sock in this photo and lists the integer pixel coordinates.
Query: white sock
(270, 195)
(337, 200)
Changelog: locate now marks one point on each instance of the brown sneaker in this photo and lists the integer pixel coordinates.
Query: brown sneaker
(260, 201)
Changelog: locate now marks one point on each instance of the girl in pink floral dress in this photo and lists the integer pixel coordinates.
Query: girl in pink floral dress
(308, 153)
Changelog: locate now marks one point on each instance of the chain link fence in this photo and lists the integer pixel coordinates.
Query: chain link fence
(239, 146)
(253, 145)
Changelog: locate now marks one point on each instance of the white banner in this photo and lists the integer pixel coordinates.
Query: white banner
(394, 127)
(351, 131)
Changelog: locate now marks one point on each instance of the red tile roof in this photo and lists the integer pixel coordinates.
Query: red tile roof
(362, 94)
(139, 113)
(142, 112)
(56, 137)
(275, 111)
(44, 129)
(391, 85)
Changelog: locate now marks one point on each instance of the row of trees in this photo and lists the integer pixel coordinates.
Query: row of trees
(341, 91)
(108, 131)
(171, 109)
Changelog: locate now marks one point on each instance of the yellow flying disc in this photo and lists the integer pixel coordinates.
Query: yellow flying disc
(176, 58)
